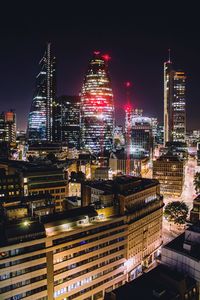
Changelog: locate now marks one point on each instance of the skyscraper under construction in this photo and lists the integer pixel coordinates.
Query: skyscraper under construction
(41, 115)
(97, 106)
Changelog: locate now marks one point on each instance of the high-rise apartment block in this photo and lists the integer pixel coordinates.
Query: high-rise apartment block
(174, 104)
(40, 122)
(97, 106)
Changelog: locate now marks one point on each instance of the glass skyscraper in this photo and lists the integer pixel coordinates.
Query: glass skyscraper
(174, 104)
(66, 127)
(97, 106)
(40, 121)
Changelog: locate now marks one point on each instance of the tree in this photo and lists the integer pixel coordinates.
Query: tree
(176, 212)
(197, 182)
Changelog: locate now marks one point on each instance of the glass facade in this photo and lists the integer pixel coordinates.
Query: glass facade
(174, 104)
(179, 105)
(141, 134)
(97, 107)
(40, 121)
(67, 121)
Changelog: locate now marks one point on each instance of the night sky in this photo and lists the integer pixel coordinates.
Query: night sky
(137, 37)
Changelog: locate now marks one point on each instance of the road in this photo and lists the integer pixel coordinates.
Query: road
(187, 196)
(189, 192)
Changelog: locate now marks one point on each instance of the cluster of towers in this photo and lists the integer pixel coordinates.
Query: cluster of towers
(87, 121)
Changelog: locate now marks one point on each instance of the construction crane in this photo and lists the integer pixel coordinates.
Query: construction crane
(128, 111)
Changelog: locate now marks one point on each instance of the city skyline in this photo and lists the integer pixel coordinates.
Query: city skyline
(137, 45)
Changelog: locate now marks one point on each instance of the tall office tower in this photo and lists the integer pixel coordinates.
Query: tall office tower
(40, 117)
(97, 106)
(141, 137)
(168, 99)
(174, 104)
(8, 127)
(66, 111)
(179, 108)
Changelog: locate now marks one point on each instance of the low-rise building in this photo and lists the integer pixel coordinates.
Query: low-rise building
(140, 200)
(73, 255)
(183, 253)
(38, 178)
(24, 206)
(169, 170)
(84, 252)
(195, 211)
(10, 184)
(160, 283)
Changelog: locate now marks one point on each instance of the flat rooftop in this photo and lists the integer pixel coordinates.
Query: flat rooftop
(124, 185)
(153, 285)
(176, 245)
(27, 229)
(29, 166)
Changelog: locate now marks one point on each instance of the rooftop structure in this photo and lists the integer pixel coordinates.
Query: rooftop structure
(160, 283)
(183, 253)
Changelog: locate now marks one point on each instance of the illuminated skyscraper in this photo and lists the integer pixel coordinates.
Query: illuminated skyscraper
(40, 117)
(66, 129)
(168, 99)
(174, 104)
(179, 108)
(8, 127)
(97, 106)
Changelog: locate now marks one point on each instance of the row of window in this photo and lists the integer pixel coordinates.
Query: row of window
(82, 292)
(86, 271)
(20, 261)
(83, 242)
(21, 272)
(85, 233)
(85, 281)
(28, 293)
(88, 260)
(17, 285)
(23, 250)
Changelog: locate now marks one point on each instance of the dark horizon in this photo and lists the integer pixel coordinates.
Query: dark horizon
(137, 41)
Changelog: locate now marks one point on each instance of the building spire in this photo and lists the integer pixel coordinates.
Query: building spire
(169, 55)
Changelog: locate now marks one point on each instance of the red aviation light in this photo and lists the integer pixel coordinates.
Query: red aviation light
(96, 52)
(128, 84)
(106, 57)
(128, 107)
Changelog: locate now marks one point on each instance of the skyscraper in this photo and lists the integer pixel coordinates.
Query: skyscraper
(141, 133)
(40, 117)
(8, 127)
(174, 104)
(97, 106)
(179, 108)
(66, 127)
